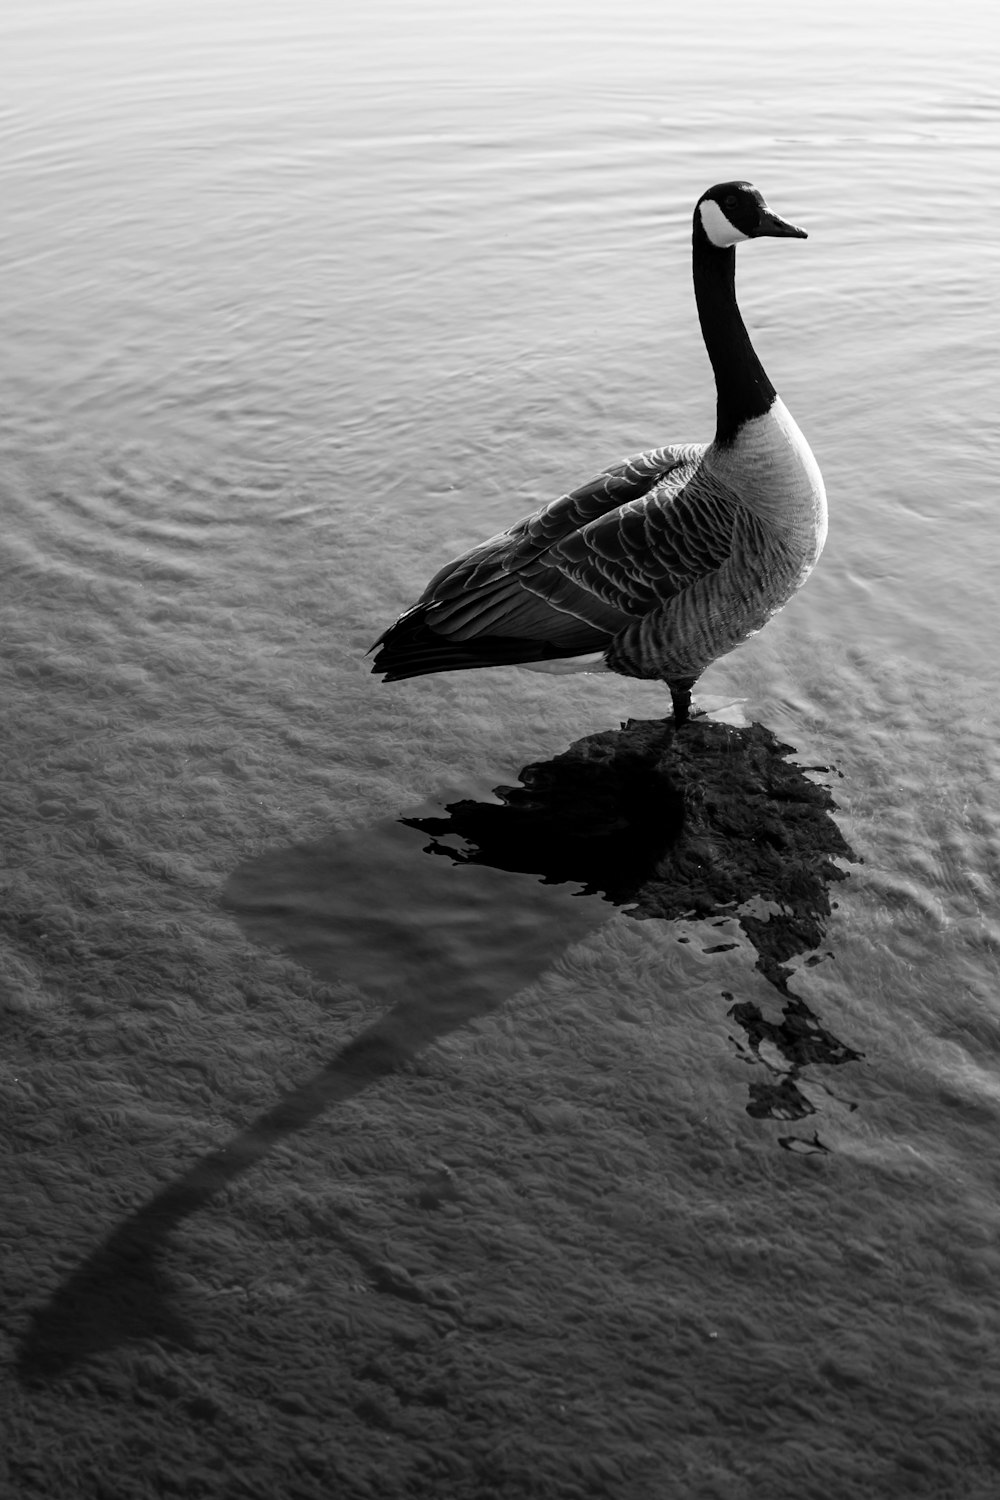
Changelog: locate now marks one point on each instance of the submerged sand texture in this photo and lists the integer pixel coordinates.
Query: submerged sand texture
(475, 1253)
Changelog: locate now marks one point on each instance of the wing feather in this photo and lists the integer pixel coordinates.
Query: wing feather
(652, 549)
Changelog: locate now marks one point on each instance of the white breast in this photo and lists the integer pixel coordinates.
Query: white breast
(771, 468)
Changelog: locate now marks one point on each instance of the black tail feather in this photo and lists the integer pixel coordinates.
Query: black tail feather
(410, 648)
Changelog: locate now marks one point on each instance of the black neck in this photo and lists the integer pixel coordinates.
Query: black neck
(743, 388)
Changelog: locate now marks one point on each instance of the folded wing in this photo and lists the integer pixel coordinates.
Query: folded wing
(571, 577)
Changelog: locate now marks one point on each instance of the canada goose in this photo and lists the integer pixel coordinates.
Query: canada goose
(660, 564)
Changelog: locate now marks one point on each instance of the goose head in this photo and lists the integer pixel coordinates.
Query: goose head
(734, 211)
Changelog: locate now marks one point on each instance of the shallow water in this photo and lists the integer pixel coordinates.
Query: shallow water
(301, 302)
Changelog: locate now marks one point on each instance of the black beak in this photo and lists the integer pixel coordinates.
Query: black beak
(778, 229)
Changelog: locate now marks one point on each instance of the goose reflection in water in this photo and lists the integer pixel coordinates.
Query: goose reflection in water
(750, 835)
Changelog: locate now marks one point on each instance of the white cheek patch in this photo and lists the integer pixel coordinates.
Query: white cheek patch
(717, 226)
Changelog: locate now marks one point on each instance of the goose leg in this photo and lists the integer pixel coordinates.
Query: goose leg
(680, 697)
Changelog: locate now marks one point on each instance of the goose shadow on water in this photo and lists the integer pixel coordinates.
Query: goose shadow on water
(714, 822)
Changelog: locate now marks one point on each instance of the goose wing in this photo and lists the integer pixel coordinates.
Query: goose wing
(572, 576)
(648, 551)
(519, 546)
(601, 556)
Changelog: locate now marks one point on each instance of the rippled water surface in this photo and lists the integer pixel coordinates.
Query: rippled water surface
(301, 300)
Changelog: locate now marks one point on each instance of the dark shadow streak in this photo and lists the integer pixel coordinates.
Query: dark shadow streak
(120, 1293)
(695, 826)
(421, 938)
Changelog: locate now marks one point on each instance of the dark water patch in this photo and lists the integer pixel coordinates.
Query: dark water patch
(603, 815)
(785, 1048)
(713, 822)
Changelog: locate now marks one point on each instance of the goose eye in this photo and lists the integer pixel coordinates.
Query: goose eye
(731, 200)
